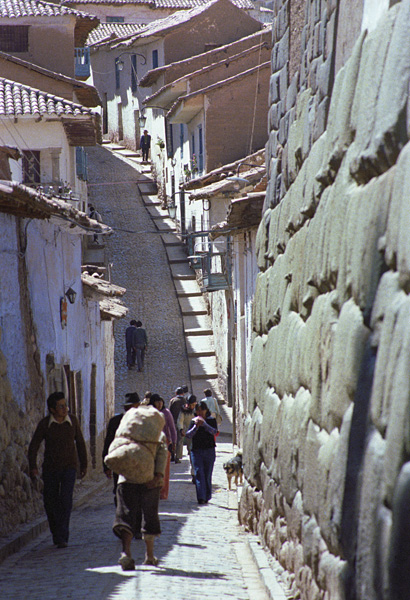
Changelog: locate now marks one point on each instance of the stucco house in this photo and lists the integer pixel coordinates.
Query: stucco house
(69, 88)
(55, 335)
(49, 134)
(223, 215)
(144, 11)
(213, 24)
(196, 103)
(47, 34)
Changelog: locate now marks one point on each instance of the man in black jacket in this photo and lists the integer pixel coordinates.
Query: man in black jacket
(132, 401)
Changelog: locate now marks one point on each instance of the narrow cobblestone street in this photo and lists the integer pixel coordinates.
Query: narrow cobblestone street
(139, 263)
(203, 552)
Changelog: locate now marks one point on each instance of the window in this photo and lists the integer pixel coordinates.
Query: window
(31, 166)
(117, 75)
(81, 163)
(14, 38)
(201, 150)
(155, 59)
(134, 80)
(181, 139)
(115, 19)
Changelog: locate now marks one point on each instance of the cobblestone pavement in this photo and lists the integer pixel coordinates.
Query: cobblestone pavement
(139, 263)
(203, 552)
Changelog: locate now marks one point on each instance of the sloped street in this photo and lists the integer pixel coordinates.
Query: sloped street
(202, 550)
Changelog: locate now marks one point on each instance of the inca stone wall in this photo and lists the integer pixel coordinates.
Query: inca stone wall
(327, 437)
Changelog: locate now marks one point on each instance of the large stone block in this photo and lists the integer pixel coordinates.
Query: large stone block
(397, 400)
(251, 449)
(349, 340)
(397, 249)
(297, 131)
(339, 133)
(379, 108)
(361, 263)
(291, 461)
(313, 473)
(370, 502)
(389, 299)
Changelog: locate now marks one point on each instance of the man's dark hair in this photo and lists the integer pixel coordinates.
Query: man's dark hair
(179, 391)
(53, 399)
(191, 399)
(132, 398)
(133, 322)
(208, 392)
(138, 324)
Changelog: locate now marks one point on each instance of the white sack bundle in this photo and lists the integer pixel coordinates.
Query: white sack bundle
(132, 452)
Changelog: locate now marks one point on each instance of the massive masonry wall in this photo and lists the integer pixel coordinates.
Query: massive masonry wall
(327, 437)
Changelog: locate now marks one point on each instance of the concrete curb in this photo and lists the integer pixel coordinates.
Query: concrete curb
(28, 532)
(272, 586)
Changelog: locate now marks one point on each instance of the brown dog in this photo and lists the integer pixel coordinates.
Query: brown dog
(233, 469)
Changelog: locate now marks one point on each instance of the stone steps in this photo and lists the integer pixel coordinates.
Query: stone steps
(196, 321)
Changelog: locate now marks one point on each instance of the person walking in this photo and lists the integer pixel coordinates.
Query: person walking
(175, 405)
(141, 344)
(131, 343)
(64, 448)
(171, 434)
(137, 500)
(145, 145)
(213, 405)
(132, 401)
(184, 420)
(202, 430)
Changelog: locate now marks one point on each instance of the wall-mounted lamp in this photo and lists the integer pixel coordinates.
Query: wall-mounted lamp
(120, 63)
(240, 182)
(71, 295)
(172, 209)
(142, 119)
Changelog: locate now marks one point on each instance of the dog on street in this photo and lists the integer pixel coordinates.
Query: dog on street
(233, 469)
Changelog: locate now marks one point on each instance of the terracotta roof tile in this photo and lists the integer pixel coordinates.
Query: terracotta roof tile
(18, 99)
(14, 9)
(112, 31)
(155, 4)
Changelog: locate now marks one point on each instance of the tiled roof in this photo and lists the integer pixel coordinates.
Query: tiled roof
(18, 99)
(20, 200)
(155, 4)
(112, 31)
(35, 8)
(161, 26)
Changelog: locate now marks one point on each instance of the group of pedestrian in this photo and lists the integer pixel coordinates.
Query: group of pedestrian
(136, 343)
(136, 504)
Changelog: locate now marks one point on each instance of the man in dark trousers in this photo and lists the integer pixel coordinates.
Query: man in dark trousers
(145, 145)
(130, 343)
(141, 343)
(63, 442)
(132, 401)
(175, 405)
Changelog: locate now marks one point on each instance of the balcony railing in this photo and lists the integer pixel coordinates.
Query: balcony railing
(82, 63)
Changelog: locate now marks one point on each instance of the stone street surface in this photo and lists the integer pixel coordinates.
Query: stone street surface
(140, 264)
(203, 552)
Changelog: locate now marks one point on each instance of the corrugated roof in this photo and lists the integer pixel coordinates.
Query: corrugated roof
(35, 8)
(111, 31)
(17, 99)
